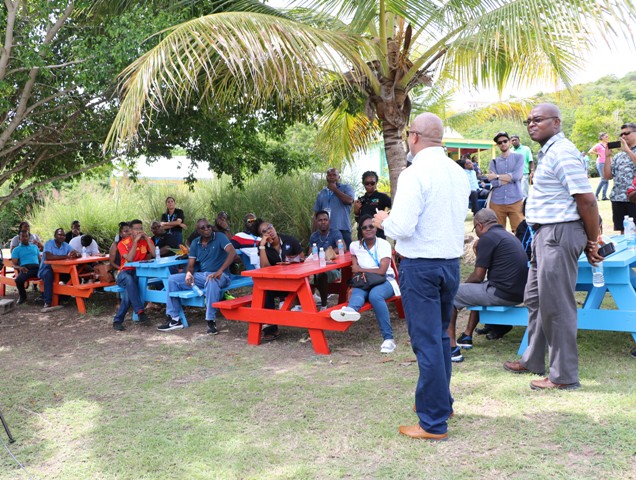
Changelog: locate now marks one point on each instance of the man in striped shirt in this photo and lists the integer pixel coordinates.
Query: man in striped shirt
(563, 212)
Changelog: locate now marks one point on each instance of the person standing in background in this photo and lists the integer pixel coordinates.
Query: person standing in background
(173, 220)
(600, 150)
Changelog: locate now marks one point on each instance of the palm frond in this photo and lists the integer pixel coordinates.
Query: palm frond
(509, 110)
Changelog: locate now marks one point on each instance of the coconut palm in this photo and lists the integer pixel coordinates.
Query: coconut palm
(359, 60)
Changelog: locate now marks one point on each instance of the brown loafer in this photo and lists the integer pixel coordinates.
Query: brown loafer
(452, 414)
(547, 384)
(516, 367)
(415, 431)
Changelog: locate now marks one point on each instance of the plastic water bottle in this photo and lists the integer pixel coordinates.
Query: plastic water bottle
(314, 252)
(631, 241)
(197, 290)
(84, 252)
(341, 249)
(628, 230)
(321, 257)
(157, 253)
(598, 280)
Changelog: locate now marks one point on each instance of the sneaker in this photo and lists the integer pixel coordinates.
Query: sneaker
(465, 341)
(482, 331)
(323, 308)
(20, 301)
(118, 326)
(345, 314)
(228, 296)
(172, 324)
(456, 355)
(143, 318)
(212, 328)
(388, 346)
(297, 308)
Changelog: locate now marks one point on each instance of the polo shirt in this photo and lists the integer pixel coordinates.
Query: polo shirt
(429, 209)
(501, 253)
(51, 247)
(557, 178)
(378, 200)
(167, 217)
(339, 213)
(15, 241)
(26, 254)
(211, 256)
(329, 240)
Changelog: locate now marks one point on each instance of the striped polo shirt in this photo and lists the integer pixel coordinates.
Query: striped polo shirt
(559, 175)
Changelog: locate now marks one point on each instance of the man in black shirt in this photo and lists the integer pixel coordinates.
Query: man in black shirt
(500, 256)
(165, 241)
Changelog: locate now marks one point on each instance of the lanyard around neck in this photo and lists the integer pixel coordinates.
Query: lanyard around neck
(373, 255)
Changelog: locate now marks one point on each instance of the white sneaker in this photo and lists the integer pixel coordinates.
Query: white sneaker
(388, 346)
(345, 314)
(297, 308)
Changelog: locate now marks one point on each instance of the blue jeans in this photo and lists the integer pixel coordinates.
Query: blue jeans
(377, 298)
(211, 288)
(604, 183)
(428, 288)
(127, 279)
(46, 275)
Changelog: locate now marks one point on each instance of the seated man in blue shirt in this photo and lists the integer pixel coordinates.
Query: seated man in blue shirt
(324, 238)
(26, 260)
(55, 249)
(214, 253)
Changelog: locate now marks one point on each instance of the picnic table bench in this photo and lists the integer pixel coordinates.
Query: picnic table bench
(8, 274)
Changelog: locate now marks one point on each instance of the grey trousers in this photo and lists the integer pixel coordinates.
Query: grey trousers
(549, 295)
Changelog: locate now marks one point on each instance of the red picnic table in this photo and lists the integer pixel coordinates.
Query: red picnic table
(74, 287)
(293, 278)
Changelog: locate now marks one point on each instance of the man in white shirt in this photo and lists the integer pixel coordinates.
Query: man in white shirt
(87, 241)
(427, 222)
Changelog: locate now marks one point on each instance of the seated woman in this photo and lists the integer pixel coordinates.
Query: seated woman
(371, 255)
(274, 248)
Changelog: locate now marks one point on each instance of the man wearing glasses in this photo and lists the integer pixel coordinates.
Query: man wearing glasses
(622, 168)
(505, 176)
(563, 213)
(213, 253)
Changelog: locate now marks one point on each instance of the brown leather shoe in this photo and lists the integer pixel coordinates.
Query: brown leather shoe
(547, 384)
(415, 431)
(452, 414)
(516, 367)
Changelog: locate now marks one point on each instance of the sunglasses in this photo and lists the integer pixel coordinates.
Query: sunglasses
(624, 134)
(501, 142)
(366, 184)
(205, 227)
(250, 220)
(367, 227)
(536, 120)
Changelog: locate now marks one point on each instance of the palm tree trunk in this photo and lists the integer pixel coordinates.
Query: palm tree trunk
(395, 154)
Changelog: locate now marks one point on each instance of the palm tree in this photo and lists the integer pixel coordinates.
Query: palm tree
(360, 60)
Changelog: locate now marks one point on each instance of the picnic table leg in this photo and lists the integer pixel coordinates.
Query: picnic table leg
(55, 298)
(81, 306)
(254, 333)
(524, 343)
(319, 341)
(400, 308)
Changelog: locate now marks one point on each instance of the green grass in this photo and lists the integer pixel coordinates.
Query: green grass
(87, 403)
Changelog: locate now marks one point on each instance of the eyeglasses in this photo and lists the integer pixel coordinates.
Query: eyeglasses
(536, 120)
(408, 132)
(501, 142)
(366, 184)
(624, 134)
(267, 229)
(367, 227)
(205, 227)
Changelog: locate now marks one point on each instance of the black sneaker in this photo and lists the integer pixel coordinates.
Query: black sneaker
(456, 355)
(21, 301)
(119, 326)
(212, 328)
(482, 331)
(633, 353)
(143, 318)
(172, 324)
(465, 341)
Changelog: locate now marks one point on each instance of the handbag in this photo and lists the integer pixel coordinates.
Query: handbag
(366, 280)
(103, 273)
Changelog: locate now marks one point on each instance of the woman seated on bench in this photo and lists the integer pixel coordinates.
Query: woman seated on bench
(371, 255)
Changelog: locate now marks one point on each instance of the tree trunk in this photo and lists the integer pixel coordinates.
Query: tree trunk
(395, 154)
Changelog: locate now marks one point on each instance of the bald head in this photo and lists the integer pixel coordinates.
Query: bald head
(544, 122)
(426, 131)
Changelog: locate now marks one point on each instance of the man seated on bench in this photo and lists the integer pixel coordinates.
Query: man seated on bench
(84, 241)
(54, 249)
(214, 253)
(501, 257)
(246, 242)
(26, 260)
(324, 238)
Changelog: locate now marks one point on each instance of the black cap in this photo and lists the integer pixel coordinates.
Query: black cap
(500, 134)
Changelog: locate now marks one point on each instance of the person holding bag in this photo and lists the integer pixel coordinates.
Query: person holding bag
(371, 258)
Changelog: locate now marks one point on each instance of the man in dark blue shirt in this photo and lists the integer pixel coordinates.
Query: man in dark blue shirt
(213, 253)
(324, 238)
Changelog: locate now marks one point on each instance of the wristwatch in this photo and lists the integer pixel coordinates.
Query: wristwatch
(261, 247)
(497, 176)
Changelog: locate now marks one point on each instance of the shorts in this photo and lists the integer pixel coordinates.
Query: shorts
(619, 210)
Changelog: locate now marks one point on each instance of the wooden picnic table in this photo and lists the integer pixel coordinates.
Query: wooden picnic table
(74, 287)
(294, 278)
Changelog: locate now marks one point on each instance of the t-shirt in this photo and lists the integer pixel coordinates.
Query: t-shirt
(76, 244)
(290, 247)
(52, 248)
(171, 217)
(600, 150)
(339, 213)
(370, 258)
(141, 252)
(527, 157)
(69, 236)
(15, 241)
(378, 200)
(503, 256)
(166, 240)
(211, 256)
(26, 254)
(329, 240)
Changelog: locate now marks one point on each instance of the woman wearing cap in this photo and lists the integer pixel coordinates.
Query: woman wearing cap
(505, 176)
